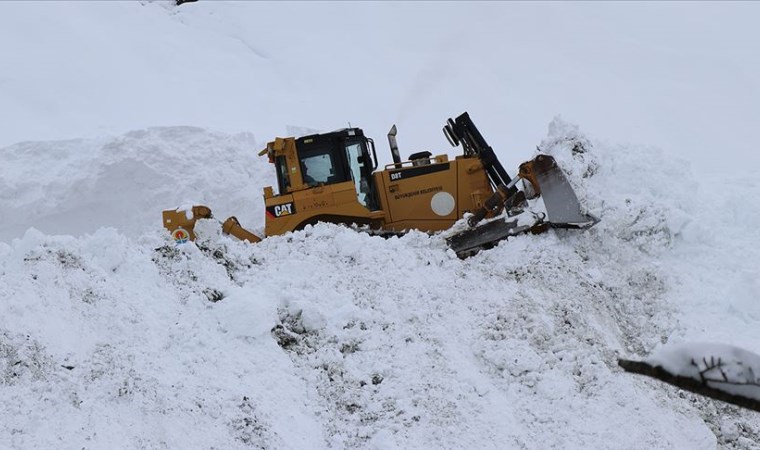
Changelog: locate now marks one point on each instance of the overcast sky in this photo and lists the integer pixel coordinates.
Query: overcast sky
(682, 76)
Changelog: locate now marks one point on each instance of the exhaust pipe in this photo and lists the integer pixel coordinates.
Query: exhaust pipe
(394, 147)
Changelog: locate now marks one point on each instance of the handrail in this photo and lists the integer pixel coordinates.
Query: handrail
(400, 165)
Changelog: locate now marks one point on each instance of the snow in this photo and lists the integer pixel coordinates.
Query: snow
(376, 343)
(78, 186)
(113, 337)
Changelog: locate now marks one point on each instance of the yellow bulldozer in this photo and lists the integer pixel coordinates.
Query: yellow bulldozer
(333, 177)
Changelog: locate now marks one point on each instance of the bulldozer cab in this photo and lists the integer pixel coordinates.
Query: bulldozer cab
(328, 159)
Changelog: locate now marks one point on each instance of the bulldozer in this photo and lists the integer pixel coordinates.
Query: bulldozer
(333, 177)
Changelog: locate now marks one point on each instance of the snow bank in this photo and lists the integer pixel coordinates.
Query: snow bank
(97, 350)
(78, 186)
(333, 339)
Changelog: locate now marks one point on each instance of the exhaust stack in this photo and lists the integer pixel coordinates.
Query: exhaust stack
(394, 146)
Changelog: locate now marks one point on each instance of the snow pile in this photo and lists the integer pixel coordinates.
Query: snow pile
(334, 339)
(716, 266)
(78, 186)
(644, 196)
(99, 351)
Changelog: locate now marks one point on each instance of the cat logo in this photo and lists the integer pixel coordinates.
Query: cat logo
(284, 209)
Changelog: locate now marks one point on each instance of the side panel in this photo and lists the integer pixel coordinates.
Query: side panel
(338, 201)
(422, 197)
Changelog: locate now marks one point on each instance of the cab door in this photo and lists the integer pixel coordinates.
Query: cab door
(360, 168)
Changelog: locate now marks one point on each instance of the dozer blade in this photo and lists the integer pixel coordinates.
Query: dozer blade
(563, 210)
(469, 242)
(562, 206)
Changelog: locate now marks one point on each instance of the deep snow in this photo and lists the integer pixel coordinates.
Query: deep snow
(113, 337)
(332, 338)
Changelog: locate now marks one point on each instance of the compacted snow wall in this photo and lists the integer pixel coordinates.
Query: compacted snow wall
(78, 186)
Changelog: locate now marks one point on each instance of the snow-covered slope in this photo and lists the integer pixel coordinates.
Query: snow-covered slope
(113, 337)
(331, 338)
(80, 185)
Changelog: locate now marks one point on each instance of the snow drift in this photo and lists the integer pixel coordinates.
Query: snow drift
(330, 338)
(78, 186)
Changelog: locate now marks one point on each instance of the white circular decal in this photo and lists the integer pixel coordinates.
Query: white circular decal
(442, 203)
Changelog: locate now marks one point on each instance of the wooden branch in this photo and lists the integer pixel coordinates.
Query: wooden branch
(687, 383)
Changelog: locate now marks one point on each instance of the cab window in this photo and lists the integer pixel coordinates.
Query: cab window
(355, 158)
(359, 165)
(283, 180)
(322, 165)
(318, 168)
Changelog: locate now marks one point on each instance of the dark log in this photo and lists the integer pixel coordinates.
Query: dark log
(689, 384)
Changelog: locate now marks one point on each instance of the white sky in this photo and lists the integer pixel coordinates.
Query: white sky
(682, 76)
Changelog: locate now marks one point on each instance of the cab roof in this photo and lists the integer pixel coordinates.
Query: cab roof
(328, 138)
